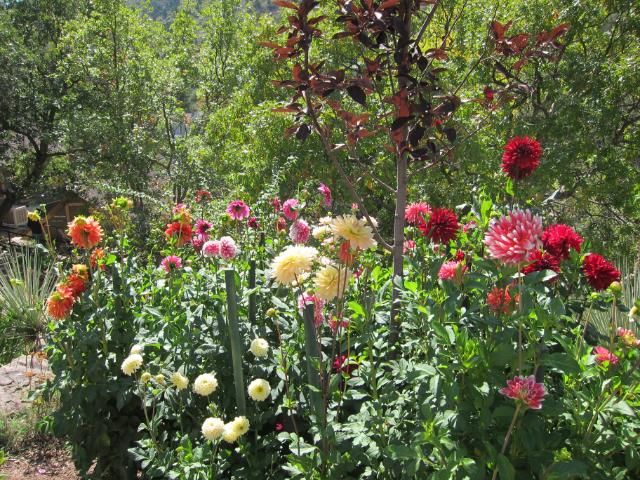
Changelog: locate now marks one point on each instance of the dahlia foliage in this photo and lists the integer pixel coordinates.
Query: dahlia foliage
(241, 337)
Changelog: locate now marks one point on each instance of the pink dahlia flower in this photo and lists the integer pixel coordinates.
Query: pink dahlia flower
(559, 239)
(198, 241)
(453, 271)
(275, 202)
(408, 246)
(290, 209)
(299, 231)
(203, 196)
(604, 355)
(514, 238)
(238, 210)
(318, 305)
(228, 248)
(202, 226)
(326, 195)
(211, 248)
(526, 391)
(415, 213)
(521, 157)
(171, 263)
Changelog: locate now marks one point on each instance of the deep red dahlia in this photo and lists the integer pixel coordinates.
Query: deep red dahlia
(521, 157)
(559, 239)
(341, 363)
(542, 260)
(442, 226)
(599, 273)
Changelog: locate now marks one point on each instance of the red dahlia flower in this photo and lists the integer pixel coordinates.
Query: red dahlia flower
(181, 231)
(521, 157)
(75, 283)
(599, 273)
(542, 261)
(559, 239)
(525, 391)
(341, 363)
(442, 226)
(501, 301)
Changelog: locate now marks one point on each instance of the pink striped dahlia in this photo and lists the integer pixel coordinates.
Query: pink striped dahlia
(526, 391)
(514, 238)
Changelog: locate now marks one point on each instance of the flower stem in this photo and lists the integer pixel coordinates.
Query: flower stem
(506, 438)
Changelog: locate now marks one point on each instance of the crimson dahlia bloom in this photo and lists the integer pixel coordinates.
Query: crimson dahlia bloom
(542, 261)
(514, 238)
(253, 223)
(442, 226)
(526, 391)
(603, 355)
(559, 239)
(598, 272)
(341, 364)
(202, 226)
(238, 210)
(416, 213)
(521, 157)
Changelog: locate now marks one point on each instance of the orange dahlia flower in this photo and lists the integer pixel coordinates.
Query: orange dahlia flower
(85, 232)
(60, 302)
(76, 284)
(81, 270)
(95, 257)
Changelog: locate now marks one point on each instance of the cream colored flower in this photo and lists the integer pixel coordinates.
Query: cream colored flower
(137, 348)
(160, 379)
(131, 364)
(145, 377)
(331, 282)
(259, 390)
(212, 428)
(240, 425)
(205, 384)
(259, 347)
(355, 230)
(179, 381)
(321, 231)
(291, 263)
(229, 435)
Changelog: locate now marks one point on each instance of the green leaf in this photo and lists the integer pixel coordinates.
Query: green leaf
(562, 362)
(566, 470)
(621, 407)
(505, 469)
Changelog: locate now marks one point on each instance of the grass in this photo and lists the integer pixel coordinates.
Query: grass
(26, 426)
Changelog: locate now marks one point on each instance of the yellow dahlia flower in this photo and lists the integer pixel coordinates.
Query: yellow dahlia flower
(179, 381)
(331, 282)
(212, 428)
(145, 377)
(291, 263)
(355, 230)
(205, 384)
(259, 390)
(131, 364)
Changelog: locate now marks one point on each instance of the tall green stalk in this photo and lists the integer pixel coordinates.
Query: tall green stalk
(234, 338)
(252, 295)
(312, 350)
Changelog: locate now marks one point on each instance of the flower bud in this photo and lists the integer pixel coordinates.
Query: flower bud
(272, 312)
(615, 288)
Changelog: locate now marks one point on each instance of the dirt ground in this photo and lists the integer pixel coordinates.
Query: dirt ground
(37, 456)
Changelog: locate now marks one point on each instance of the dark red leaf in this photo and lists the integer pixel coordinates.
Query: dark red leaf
(450, 132)
(303, 132)
(357, 94)
(285, 4)
(388, 4)
(499, 29)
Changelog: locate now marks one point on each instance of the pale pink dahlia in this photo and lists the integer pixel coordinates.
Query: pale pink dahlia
(211, 248)
(171, 263)
(299, 231)
(514, 238)
(228, 248)
(326, 194)
(526, 391)
(238, 210)
(318, 305)
(290, 209)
